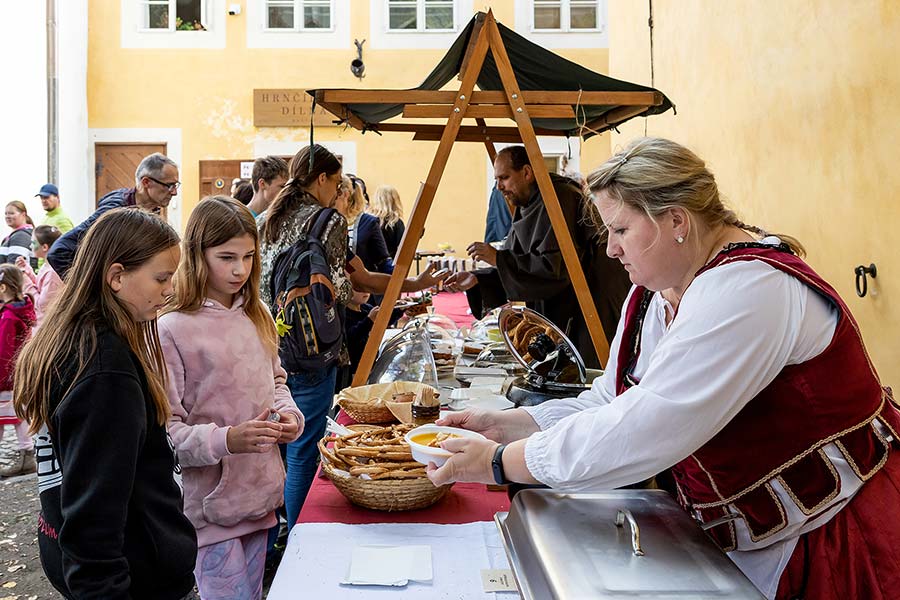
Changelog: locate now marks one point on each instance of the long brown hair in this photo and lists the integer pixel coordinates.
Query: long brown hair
(12, 278)
(214, 221)
(86, 305)
(653, 175)
(294, 194)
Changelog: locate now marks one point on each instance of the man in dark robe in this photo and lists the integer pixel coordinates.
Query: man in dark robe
(529, 267)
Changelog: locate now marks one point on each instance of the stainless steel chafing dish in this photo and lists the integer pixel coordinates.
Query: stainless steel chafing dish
(619, 544)
(553, 366)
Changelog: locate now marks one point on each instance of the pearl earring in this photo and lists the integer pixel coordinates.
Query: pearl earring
(680, 239)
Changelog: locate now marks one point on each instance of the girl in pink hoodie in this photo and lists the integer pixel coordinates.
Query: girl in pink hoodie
(230, 405)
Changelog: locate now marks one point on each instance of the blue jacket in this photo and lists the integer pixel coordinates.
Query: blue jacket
(498, 219)
(62, 254)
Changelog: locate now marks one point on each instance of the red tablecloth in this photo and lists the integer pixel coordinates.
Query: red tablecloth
(455, 306)
(464, 503)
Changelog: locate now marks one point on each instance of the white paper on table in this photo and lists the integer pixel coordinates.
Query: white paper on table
(469, 392)
(494, 384)
(478, 397)
(317, 557)
(489, 402)
(389, 565)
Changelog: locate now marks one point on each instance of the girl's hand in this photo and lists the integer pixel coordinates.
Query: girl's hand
(290, 428)
(22, 264)
(471, 462)
(256, 435)
(373, 314)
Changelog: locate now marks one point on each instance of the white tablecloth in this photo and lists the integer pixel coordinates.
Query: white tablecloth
(318, 555)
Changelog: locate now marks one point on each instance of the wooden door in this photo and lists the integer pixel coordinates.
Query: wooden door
(116, 163)
(216, 176)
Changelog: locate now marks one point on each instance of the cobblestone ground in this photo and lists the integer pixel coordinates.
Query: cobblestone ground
(21, 577)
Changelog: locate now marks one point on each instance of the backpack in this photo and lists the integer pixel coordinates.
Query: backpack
(309, 324)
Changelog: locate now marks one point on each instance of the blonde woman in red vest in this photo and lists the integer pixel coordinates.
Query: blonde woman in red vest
(737, 368)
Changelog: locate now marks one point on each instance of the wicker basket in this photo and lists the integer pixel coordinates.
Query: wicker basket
(386, 494)
(364, 403)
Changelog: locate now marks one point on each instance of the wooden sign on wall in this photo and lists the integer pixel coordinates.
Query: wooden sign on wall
(287, 108)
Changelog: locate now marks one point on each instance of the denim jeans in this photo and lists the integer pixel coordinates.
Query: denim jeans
(313, 393)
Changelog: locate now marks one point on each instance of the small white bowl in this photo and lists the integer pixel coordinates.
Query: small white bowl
(427, 454)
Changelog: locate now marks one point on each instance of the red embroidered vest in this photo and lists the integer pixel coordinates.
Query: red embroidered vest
(833, 397)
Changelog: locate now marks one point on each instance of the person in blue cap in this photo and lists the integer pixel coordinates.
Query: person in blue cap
(55, 216)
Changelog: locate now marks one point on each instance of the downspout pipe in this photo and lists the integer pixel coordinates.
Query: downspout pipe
(52, 95)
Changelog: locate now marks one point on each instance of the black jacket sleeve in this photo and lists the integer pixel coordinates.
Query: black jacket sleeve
(62, 253)
(99, 430)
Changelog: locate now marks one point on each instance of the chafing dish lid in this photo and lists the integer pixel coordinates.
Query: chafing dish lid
(583, 546)
(540, 369)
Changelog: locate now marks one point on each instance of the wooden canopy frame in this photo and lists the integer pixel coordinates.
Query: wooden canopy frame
(454, 106)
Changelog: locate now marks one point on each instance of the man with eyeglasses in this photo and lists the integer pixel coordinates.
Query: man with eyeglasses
(155, 182)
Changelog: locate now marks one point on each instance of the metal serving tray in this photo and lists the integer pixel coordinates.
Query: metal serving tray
(568, 546)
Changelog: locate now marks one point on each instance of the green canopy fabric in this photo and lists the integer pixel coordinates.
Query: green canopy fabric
(535, 67)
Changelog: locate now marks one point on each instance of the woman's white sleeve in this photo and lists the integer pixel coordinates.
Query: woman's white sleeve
(734, 332)
(602, 390)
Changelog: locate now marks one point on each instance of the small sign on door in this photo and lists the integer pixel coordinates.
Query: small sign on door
(246, 169)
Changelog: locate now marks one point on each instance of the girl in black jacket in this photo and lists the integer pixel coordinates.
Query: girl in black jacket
(92, 385)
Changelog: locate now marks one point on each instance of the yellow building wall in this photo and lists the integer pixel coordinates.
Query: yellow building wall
(208, 94)
(793, 104)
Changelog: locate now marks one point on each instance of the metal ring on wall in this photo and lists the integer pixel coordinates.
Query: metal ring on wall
(862, 282)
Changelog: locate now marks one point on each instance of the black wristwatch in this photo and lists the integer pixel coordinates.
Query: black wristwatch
(497, 466)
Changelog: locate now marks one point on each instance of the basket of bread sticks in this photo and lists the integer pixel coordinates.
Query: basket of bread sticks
(370, 403)
(375, 469)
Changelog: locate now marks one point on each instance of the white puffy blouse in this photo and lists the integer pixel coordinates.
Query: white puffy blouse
(738, 325)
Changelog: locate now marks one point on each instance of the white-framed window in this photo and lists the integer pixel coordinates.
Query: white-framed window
(420, 15)
(417, 24)
(307, 24)
(173, 15)
(565, 15)
(173, 24)
(563, 23)
(298, 15)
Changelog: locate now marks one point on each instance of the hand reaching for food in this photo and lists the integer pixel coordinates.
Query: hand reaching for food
(430, 277)
(460, 282)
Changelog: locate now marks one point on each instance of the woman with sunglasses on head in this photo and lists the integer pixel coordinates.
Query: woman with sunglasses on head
(155, 183)
(93, 387)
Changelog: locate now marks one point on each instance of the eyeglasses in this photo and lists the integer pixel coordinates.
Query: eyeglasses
(172, 186)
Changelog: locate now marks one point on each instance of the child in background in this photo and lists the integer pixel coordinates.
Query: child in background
(46, 284)
(16, 321)
(92, 386)
(230, 405)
